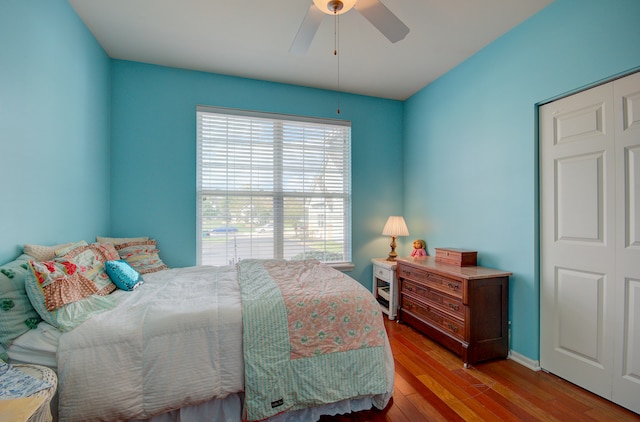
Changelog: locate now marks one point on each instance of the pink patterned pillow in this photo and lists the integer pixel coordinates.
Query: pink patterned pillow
(142, 256)
(62, 295)
(61, 283)
(91, 259)
(107, 250)
(120, 240)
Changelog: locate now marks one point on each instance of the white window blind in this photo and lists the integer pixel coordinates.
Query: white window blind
(272, 186)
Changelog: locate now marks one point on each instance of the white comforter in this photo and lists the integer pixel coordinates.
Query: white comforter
(174, 341)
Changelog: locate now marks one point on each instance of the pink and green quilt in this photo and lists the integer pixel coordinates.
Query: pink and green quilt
(312, 336)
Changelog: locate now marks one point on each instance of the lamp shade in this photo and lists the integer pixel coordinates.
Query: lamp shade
(395, 226)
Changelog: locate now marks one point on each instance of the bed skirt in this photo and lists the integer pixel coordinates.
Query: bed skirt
(229, 409)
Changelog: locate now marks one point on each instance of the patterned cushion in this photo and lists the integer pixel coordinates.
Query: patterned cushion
(142, 256)
(17, 315)
(123, 275)
(16, 384)
(41, 373)
(43, 253)
(63, 295)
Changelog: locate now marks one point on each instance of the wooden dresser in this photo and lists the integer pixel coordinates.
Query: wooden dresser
(463, 308)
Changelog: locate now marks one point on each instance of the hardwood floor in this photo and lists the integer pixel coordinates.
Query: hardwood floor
(432, 385)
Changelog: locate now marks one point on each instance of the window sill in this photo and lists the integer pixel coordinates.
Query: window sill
(342, 266)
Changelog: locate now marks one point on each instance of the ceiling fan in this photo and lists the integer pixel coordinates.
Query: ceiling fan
(373, 10)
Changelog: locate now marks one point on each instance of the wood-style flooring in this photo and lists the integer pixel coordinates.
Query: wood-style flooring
(432, 385)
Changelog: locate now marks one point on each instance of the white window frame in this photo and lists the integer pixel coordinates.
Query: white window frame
(213, 135)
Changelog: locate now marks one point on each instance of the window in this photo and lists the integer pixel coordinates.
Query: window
(272, 186)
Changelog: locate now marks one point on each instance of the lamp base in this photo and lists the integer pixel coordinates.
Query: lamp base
(392, 255)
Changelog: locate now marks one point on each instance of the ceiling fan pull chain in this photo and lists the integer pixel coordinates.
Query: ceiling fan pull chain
(336, 33)
(336, 24)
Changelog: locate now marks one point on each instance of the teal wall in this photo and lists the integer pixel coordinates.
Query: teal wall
(91, 145)
(470, 164)
(153, 170)
(54, 127)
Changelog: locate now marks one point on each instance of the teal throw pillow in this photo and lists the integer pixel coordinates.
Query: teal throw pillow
(123, 275)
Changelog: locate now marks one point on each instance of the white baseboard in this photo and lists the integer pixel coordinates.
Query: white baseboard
(534, 365)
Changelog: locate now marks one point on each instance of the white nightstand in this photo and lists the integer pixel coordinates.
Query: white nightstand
(385, 286)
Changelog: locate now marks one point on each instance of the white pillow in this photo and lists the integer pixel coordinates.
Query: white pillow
(44, 253)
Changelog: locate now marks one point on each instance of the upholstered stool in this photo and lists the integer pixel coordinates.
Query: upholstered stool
(43, 412)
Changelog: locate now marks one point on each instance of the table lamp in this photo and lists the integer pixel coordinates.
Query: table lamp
(395, 227)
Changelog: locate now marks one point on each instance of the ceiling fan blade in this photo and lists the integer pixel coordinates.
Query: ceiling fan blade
(307, 30)
(383, 19)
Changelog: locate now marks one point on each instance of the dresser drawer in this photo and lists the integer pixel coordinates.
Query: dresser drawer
(429, 314)
(448, 303)
(448, 285)
(438, 282)
(382, 273)
(412, 273)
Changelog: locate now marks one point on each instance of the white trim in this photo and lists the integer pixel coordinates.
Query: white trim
(272, 116)
(342, 266)
(284, 164)
(534, 365)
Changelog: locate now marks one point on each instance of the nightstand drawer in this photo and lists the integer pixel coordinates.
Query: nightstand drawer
(383, 273)
(432, 315)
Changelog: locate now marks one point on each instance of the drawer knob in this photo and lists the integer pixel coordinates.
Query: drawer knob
(453, 286)
(453, 328)
(409, 288)
(454, 307)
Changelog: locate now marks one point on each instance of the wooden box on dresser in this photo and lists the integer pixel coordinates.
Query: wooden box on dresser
(463, 308)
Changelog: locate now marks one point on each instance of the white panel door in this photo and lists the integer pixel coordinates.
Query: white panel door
(626, 389)
(590, 240)
(577, 194)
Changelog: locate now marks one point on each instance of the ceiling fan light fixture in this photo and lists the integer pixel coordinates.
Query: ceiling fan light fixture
(337, 7)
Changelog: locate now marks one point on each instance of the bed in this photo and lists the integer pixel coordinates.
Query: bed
(262, 340)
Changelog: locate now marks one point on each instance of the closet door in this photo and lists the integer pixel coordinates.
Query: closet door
(577, 238)
(626, 389)
(590, 240)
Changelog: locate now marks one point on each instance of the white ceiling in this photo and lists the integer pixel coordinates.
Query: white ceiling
(251, 38)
